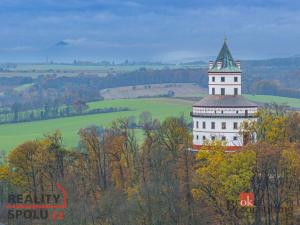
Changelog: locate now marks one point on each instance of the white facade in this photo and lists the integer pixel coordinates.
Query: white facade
(229, 82)
(219, 115)
(229, 134)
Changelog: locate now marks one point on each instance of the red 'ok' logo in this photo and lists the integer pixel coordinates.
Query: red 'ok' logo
(247, 199)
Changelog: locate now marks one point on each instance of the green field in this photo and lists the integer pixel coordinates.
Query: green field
(37, 69)
(293, 102)
(13, 134)
(105, 68)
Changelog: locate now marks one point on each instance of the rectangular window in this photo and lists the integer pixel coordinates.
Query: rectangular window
(203, 125)
(197, 137)
(213, 79)
(235, 79)
(222, 79)
(235, 91)
(222, 91)
(213, 125)
(213, 138)
(223, 125)
(213, 91)
(235, 138)
(235, 125)
(197, 124)
(203, 138)
(223, 138)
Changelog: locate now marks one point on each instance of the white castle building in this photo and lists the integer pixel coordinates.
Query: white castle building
(219, 115)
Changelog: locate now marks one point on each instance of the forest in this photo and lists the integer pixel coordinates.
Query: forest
(53, 95)
(111, 179)
(278, 77)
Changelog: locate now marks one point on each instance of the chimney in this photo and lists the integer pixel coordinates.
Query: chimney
(210, 65)
(238, 63)
(219, 64)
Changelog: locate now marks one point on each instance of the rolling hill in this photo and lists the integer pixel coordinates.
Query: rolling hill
(12, 135)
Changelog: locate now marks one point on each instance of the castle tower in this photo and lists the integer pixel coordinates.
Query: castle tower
(219, 115)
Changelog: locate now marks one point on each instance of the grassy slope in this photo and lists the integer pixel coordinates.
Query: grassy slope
(293, 102)
(13, 134)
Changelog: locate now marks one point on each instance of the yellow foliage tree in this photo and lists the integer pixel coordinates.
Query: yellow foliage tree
(221, 177)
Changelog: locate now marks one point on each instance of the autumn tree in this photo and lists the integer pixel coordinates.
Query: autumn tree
(219, 180)
(275, 178)
(275, 182)
(166, 173)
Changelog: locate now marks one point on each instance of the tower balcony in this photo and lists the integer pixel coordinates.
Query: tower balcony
(224, 115)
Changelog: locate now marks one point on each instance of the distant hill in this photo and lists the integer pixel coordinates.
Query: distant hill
(290, 62)
(194, 63)
(62, 43)
(279, 76)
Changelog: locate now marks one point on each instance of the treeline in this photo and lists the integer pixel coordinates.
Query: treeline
(112, 180)
(252, 83)
(20, 112)
(66, 90)
(52, 88)
(258, 78)
(138, 77)
(273, 87)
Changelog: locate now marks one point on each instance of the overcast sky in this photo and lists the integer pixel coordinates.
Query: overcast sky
(155, 30)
